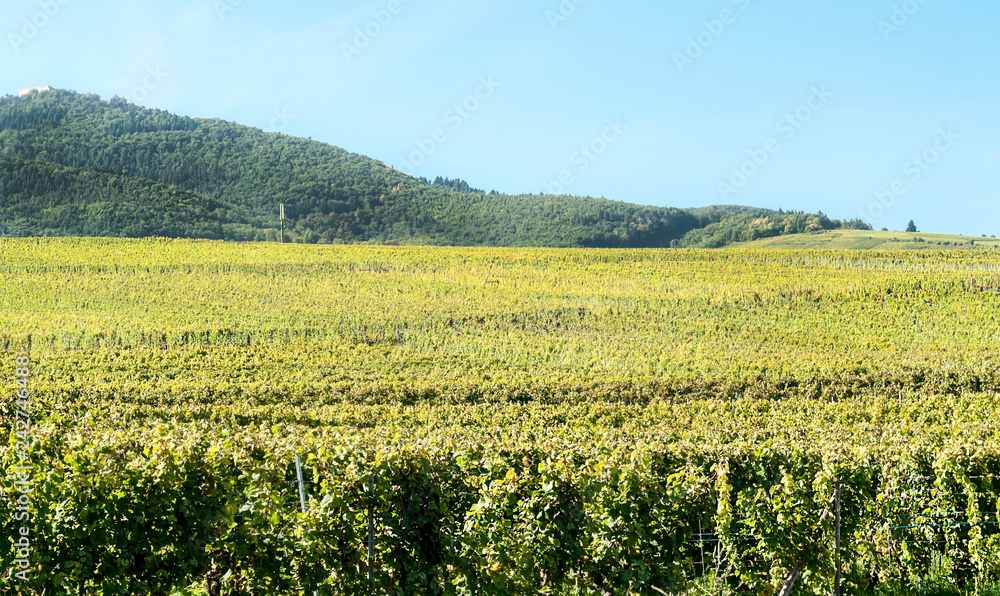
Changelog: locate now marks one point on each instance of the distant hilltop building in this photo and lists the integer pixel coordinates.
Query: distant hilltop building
(23, 92)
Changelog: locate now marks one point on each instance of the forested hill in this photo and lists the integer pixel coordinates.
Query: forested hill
(75, 165)
(40, 199)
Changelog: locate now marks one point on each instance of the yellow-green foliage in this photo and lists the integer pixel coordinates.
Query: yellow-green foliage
(528, 417)
(419, 319)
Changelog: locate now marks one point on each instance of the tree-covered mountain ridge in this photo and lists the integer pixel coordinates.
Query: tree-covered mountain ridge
(74, 165)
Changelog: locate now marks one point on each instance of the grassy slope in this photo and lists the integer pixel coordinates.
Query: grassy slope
(866, 240)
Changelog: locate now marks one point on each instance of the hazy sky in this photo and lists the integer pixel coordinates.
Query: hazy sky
(881, 109)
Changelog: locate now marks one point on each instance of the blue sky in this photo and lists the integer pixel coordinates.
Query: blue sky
(881, 109)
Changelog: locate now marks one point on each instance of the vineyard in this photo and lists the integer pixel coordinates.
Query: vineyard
(497, 421)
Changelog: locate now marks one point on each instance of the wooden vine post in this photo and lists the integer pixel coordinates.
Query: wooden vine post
(793, 577)
(302, 488)
(371, 529)
(836, 542)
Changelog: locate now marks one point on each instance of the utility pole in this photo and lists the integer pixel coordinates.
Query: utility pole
(281, 216)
